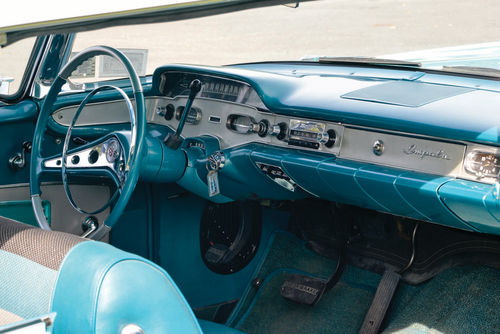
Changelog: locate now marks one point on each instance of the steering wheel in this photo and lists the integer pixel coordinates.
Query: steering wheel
(117, 155)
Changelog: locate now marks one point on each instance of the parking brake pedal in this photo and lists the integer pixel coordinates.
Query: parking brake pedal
(308, 290)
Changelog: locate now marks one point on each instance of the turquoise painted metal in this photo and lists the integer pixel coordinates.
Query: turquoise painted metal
(394, 191)
(473, 202)
(160, 163)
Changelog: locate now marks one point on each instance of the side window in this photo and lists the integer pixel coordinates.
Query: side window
(13, 62)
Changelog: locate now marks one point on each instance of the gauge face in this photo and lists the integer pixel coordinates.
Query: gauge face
(482, 164)
(112, 150)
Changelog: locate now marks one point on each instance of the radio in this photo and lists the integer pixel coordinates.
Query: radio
(310, 134)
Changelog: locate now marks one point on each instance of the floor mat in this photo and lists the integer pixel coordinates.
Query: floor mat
(341, 310)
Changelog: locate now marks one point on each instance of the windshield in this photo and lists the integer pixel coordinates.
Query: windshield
(450, 33)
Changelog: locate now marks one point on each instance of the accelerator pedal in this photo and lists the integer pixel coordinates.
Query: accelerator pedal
(308, 290)
(303, 289)
(380, 304)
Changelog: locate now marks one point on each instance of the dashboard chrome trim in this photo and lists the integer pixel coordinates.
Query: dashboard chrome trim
(403, 152)
(227, 137)
(407, 151)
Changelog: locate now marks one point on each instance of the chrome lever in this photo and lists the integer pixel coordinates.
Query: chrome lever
(89, 225)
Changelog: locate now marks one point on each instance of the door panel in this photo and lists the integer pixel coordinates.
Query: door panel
(17, 124)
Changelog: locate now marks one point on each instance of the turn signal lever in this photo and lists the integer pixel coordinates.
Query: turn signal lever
(175, 140)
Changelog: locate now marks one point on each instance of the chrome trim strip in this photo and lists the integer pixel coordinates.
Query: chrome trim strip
(344, 132)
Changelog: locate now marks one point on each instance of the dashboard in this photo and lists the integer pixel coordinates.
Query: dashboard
(276, 149)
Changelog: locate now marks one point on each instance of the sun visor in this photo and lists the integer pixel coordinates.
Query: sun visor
(405, 93)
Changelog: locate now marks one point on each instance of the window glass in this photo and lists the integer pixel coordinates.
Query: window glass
(418, 30)
(13, 61)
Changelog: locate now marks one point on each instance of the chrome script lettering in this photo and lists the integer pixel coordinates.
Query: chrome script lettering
(414, 150)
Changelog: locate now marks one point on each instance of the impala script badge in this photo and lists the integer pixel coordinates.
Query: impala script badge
(414, 150)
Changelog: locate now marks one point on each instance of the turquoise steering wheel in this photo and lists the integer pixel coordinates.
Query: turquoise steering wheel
(117, 155)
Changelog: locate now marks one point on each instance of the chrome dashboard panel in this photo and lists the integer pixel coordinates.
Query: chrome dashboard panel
(416, 154)
(400, 150)
(109, 112)
(214, 114)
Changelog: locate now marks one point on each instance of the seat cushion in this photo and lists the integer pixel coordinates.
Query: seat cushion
(209, 327)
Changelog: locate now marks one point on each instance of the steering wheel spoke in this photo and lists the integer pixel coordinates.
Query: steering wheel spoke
(106, 156)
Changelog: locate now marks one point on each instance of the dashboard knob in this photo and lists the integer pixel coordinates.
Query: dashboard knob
(332, 137)
(278, 130)
(323, 138)
(242, 124)
(274, 130)
(263, 128)
(378, 147)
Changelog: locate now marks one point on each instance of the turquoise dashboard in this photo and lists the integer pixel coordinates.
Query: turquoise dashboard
(416, 144)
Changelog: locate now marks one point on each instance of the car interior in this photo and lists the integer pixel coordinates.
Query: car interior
(336, 195)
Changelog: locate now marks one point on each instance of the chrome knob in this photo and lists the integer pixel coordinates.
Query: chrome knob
(323, 138)
(378, 147)
(278, 130)
(274, 130)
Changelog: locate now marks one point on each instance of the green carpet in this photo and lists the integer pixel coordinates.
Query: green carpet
(341, 310)
(458, 300)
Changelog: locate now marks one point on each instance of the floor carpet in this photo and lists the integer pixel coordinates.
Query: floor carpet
(459, 300)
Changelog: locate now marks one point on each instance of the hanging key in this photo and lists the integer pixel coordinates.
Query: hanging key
(215, 162)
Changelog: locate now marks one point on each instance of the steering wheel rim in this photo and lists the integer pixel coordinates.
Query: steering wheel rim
(37, 160)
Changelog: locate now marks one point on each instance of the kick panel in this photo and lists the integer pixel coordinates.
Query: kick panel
(230, 235)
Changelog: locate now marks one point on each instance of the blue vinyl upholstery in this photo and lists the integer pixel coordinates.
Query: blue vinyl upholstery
(102, 289)
(92, 286)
